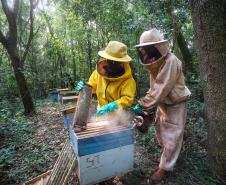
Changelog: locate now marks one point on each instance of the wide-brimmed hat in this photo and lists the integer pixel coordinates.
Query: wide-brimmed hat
(116, 51)
(151, 37)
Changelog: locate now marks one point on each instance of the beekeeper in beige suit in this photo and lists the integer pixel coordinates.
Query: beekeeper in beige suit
(168, 92)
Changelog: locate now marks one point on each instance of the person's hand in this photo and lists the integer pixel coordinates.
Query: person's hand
(137, 109)
(107, 108)
(80, 85)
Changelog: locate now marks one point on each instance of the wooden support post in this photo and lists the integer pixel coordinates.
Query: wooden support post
(82, 108)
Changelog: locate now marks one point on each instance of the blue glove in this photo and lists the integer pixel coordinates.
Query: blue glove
(107, 108)
(137, 109)
(80, 85)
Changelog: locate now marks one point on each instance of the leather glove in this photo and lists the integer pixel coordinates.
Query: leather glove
(107, 108)
(80, 85)
(137, 109)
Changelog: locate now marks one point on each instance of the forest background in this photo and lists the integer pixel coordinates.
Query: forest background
(54, 44)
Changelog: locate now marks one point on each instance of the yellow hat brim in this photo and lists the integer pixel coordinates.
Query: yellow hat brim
(103, 54)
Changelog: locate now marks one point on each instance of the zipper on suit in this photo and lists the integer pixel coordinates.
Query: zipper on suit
(106, 92)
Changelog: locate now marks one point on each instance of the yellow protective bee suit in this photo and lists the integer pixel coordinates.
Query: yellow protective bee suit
(121, 89)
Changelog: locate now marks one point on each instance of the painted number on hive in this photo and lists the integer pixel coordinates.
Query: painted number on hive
(93, 162)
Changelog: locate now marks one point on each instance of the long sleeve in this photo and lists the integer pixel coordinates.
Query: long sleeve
(128, 90)
(93, 81)
(162, 85)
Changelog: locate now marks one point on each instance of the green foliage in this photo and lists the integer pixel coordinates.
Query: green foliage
(22, 151)
(7, 79)
(7, 155)
(15, 131)
(67, 38)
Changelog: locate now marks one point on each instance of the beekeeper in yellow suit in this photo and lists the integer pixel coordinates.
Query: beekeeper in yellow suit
(168, 92)
(112, 81)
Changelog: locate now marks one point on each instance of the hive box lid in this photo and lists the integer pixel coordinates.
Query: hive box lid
(97, 142)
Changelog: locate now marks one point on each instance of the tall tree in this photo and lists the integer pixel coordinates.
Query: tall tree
(180, 40)
(210, 32)
(9, 41)
(175, 15)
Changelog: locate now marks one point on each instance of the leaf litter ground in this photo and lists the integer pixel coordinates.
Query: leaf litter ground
(30, 147)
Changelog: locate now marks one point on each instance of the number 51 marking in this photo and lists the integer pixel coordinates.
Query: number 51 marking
(93, 161)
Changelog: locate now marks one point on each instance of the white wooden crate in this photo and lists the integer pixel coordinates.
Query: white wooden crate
(103, 156)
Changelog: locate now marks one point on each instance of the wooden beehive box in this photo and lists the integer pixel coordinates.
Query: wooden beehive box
(103, 152)
(66, 93)
(69, 99)
(53, 95)
(68, 115)
(62, 90)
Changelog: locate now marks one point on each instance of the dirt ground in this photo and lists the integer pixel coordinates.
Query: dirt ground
(36, 150)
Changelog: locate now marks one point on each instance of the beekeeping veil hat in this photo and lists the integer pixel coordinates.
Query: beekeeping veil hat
(116, 51)
(154, 37)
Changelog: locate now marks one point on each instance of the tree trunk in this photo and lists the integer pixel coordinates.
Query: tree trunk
(210, 33)
(187, 57)
(10, 42)
(89, 59)
(73, 56)
(180, 40)
(74, 65)
(22, 85)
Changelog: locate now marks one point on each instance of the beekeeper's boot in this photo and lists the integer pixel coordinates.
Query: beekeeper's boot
(158, 175)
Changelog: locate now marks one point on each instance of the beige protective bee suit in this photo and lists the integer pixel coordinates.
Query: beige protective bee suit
(169, 93)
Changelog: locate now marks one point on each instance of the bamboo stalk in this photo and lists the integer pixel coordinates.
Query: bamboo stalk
(60, 166)
(74, 166)
(67, 167)
(56, 165)
(62, 170)
(64, 167)
(58, 162)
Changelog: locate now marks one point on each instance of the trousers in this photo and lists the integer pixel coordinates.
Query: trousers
(170, 123)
